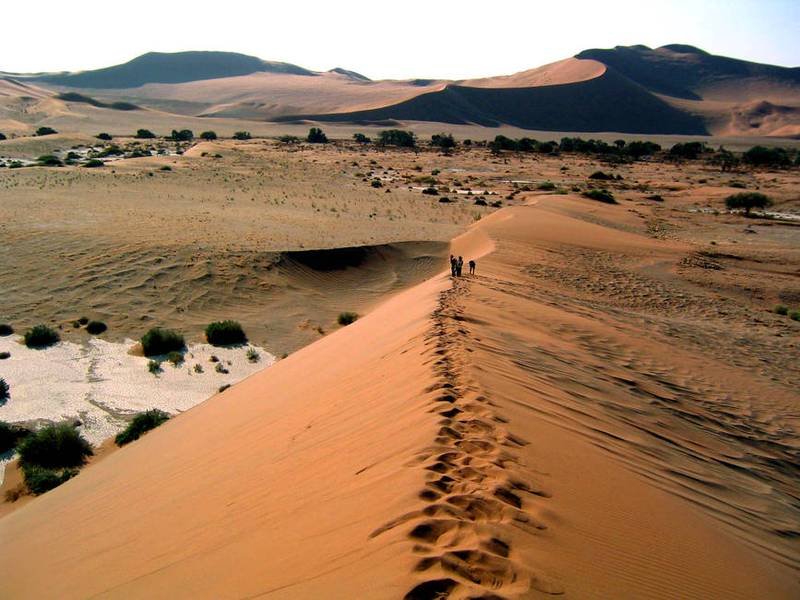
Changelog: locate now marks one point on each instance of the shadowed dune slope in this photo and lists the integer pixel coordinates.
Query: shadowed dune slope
(483, 438)
(609, 102)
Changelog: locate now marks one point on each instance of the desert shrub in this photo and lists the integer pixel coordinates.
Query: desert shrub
(223, 387)
(480, 202)
(93, 163)
(656, 197)
(5, 355)
(601, 176)
(600, 196)
(738, 185)
(161, 341)
(316, 136)
(45, 131)
(242, 135)
(54, 447)
(2, 137)
(141, 424)
(10, 436)
(154, 367)
(145, 134)
(225, 333)
(83, 320)
(176, 358)
(40, 480)
(431, 191)
(252, 355)
(48, 160)
(220, 368)
(112, 150)
(747, 201)
(443, 140)
(795, 315)
(104, 136)
(5, 390)
(761, 156)
(6, 329)
(361, 138)
(376, 183)
(208, 135)
(346, 318)
(288, 139)
(781, 310)
(397, 137)
(184, 135)
(41, 336)
(165, 168)
(687, 150)
(546, 186)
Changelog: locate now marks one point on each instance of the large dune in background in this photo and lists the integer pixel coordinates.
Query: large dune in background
(569, 70)
(517, 435)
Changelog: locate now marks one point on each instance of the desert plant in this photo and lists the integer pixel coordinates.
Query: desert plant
(6, 329)
(96, 327)
(687, 150)
(600, 196)
(242, 135)
(45, 131)
(2, 137)
(600, 175)
(54, 447)
(225, 333)
(48, 160)
(346, 318)
(443, 140)
(10, 436)
(5, 355)
(161, 341)
(208, 135)
(104, 136)
(165, 168)
(220, 368)
(397, 137)
(184, 135)
(41, 336)
(252, 355)
(4, 390)
(376, 183)
(154, 367)
(747, 201)
(546, 186)
(781, 310)
(361, 138)
(141, 424)
(223, 387)
(431, 191)
(655, 197)
(316, 136)
(762, 156)
(93, 163)
(145, 134)
(40, 480)
(795, 315)
(176, 358)
(198, 368)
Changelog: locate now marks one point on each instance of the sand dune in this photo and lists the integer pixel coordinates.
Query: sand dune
(569, 70)
(519, 434)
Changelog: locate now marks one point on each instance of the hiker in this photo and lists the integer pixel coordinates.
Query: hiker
(453, 265)
(459, 266)
(472, 267)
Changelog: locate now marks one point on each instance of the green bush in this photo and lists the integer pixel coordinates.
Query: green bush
(165, 168)
(154, 367)
(48, 160)
(93, 163)
(208, 135)
(161, 341)
(795, 315)
(316, 136)
(10, 436)
(376, 183)
(288, 139)
(346, 318)
(6, 329)
(781, 310)
(5, 355)
(431, 191)
(761, 156)
(601, 176)
(41, 336)
(45, 131)
(747, 201)
(176, 358)
(361, 138)
(252, 355)
(4, 390)
(145, 134)
(397, 137)
(547, 186)
(443, 140)
(242, 135)
(184, 135)
(601, 196)
(104, 136)
(225, 333)
(54, 447)
(96, 327)
(40, 480)
(141, 424)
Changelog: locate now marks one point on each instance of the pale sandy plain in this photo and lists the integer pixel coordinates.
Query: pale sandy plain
(608, 409)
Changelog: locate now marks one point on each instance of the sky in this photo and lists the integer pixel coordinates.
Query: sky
(390, 39)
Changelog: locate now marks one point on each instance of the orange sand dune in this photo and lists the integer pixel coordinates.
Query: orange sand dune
(569, 70)
(493, 437)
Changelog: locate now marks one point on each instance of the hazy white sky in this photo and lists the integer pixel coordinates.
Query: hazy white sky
(411, 38)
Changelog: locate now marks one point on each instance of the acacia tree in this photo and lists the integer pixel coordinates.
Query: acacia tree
(208, 135)
(316, 136)
(747, 201)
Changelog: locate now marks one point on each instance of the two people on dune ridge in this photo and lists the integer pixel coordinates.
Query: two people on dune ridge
(457, 264)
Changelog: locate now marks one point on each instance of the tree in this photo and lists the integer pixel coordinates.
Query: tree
(316, 136)
(761, 156)
(361, 138)
(687, 150)
(145, 134)
(397, 137)
(620, 144)
(747, 201)
(242, 135)
(45, 131)
(3, 137)
(208, 135)
(104, 136)
(443, 140)
(184, 135)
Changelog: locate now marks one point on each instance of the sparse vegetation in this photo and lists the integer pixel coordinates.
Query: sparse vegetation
(747, 201)
(184, 135)
(795, 315)
(5, 390)
(165, 168)
(41, 336)
(141, 424)
(687, 150)
(161, 341)
(45, 131)
(208, 136)
(48, 160)
(252, 355)
(761, 156)
(361, 138)
(106, 137)
(145, 134)
(40, 480)
(6, 329)
(225, 333)
(443, 140)
(346, 318)
(93, 163)
(176, 358)
(546, 186)
(96, 327)
(600, 196)
(220, 368)
(397, 137)
(316, 136)
(781, 310)
(242, 135)
(58, 446)
(154, 367)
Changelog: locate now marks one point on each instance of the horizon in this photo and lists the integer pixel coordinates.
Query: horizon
(344, 33)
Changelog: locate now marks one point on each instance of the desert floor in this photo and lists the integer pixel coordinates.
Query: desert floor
(609, 408)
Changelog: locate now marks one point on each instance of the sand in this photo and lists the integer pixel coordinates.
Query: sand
(608, 409)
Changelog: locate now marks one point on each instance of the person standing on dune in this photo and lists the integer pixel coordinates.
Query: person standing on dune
(472, 267)
(453, 265)
(459, 266)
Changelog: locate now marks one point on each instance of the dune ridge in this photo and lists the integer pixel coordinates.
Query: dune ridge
(503, 436)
